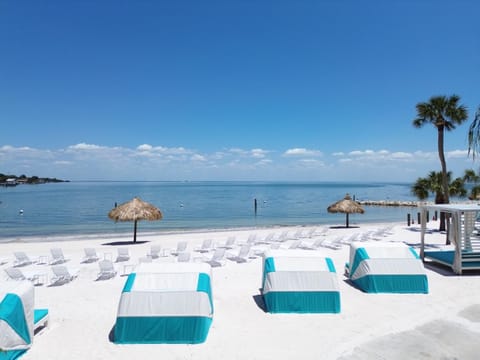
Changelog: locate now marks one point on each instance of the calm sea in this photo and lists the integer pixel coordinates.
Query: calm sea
(82, 207)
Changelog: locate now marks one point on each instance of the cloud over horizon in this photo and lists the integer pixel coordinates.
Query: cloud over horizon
(85, 161)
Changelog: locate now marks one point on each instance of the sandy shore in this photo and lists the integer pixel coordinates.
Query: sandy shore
(443, 324)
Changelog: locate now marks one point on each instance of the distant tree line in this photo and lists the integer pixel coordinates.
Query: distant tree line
(23, 179)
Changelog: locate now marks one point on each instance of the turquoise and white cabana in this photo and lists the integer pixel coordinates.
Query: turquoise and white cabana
(299, 281)
(464, 253)
(386, 267)
(18, 318)
(165, 303)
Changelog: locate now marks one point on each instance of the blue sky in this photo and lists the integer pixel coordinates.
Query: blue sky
(232, 90)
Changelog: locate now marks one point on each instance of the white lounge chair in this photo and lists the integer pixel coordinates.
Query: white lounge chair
(310, 233)
(252, 239)
(282, 237)
(18, 275)
(275, 246)
(183, 257)
(154, 252)
(62, 275)
(122, 254)
(229, 244)
(267, 240)
(381, 233)
(243, 255)
(90, 255)
(323, 231)
(295, 244)
(107, 270)
(311, 246)
(217, 259)
(297, 234)
(181, 247)
(335, 244)
(206, 246)
(21, 259)
(57, 256)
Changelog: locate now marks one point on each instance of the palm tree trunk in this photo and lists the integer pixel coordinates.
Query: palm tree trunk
(446, 197)
(443, 162)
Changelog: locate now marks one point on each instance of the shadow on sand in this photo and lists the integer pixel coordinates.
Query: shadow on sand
(121, 243)
(344, 227)
(260, 303)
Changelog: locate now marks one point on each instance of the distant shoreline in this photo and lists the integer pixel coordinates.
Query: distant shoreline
(390, 203)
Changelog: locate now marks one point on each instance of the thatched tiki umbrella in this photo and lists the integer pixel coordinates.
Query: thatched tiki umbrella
(346, 206)
(135, 210)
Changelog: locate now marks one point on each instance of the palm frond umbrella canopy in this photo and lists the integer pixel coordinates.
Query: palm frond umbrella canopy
(135, 210)
(346, 206)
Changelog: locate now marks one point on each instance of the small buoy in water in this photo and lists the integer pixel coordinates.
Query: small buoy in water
(21, 212)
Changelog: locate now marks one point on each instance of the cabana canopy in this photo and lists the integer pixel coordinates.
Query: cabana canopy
(165, 303)
(299, 281)
(16, 318)
(463, 235)
(381, 267)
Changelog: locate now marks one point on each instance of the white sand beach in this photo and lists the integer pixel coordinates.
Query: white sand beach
(443, 324)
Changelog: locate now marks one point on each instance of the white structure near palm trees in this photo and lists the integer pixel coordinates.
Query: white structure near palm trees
(464, 253)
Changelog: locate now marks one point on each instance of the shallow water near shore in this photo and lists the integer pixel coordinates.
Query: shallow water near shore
(82, 207)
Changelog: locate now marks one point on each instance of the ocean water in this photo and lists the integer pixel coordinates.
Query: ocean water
(82, 207)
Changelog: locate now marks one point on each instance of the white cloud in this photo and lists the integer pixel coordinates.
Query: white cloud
(164, 150)
(145, 147)
(312, 162)
(365, 153)
(401, 155)
(258, 153)
(264, 162)
(237, 151)
(84, 146)
(302, 152)
(455, 154)
(254, 153)
(197, 157)
(7, 148)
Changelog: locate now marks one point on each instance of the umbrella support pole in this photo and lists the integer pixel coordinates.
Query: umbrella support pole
(135, 232)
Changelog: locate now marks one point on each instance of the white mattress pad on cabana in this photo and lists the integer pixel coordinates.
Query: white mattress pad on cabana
(299, 270)
(166, 290)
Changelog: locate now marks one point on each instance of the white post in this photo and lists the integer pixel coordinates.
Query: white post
(422, 234)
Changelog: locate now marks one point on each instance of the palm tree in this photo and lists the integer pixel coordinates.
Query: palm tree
(471, 177)
(433, 183)
(474, 135)
(444, 113)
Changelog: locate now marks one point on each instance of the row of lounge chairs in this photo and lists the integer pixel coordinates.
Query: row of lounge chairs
(61, 274)
(56, 257)
(214, 254)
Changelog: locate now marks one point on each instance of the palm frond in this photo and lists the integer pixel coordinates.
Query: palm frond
(474, 135)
